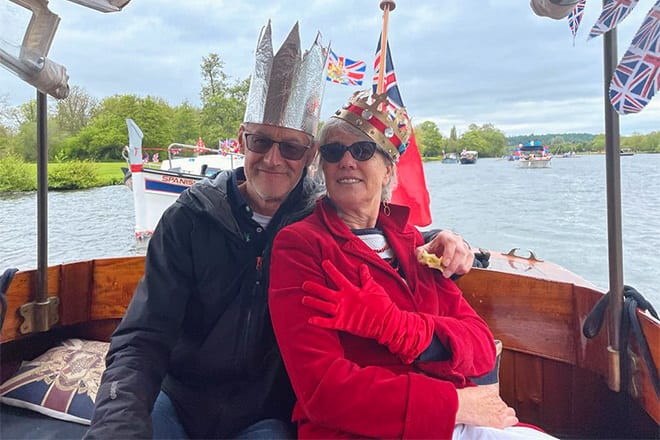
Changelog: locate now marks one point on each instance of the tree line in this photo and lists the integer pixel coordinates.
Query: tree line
(82, 128)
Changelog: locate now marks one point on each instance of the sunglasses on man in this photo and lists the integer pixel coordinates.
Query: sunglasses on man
(262, 144)
(333, 152)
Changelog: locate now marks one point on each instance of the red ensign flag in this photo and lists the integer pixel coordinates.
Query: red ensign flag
(411, 187)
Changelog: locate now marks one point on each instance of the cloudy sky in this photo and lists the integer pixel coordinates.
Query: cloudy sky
(457, 61)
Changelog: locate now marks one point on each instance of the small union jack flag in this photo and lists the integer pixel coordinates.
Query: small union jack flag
(612, 14)
(389, 78)
(575, 17)
(200, 146)
(637, 77)
(342, 70)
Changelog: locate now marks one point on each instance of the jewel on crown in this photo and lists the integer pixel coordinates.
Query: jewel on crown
(371, 113)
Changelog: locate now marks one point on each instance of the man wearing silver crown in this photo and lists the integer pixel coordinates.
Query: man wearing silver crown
(195, 355)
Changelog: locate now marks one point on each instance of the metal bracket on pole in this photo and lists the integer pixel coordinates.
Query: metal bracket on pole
(39, 316)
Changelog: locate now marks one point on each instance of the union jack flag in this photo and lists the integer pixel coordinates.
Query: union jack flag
(575, 17)
(389, 78)
(342, 70)
(637, 77)
(612, 14)
(411, 188)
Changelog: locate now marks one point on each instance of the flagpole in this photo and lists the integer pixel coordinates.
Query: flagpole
(386, 6)
(614, 224)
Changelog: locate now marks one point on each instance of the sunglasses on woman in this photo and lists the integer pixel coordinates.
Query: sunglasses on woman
(363, 150)
(262, 144)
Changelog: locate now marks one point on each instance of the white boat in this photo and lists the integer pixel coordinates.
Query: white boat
(155, 189)
(534, 162)
(533, 155)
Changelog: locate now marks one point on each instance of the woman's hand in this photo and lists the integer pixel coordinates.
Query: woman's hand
(366, 310)
(483, 406)
(457, 257)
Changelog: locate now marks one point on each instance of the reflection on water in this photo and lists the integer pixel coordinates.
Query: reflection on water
(559, 213)
(82, 225)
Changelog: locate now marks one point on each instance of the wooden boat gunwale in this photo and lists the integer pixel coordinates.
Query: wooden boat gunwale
(543, 342)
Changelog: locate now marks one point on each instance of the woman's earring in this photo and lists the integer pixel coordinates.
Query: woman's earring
(386, 208)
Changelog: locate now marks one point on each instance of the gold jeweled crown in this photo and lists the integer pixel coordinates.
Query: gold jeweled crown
(286, 89)
(371, 115)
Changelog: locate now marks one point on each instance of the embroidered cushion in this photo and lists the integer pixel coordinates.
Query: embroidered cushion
(61, 383)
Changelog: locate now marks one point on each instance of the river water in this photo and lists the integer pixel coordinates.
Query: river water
(559, 213)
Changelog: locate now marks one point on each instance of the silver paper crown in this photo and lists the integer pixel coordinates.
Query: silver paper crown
(286, 90)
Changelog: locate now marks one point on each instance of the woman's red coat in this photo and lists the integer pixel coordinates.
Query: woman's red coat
(349, 386)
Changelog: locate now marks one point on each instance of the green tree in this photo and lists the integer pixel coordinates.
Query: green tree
(223, 105)
(106, 134)
(473, 140)
(24, 113)
(487, 140)
(429, 139)
(598, 143)
(5, 138)
(75, 112)
(214, 79)
(452, 141)
(557, 145)
(186, 126)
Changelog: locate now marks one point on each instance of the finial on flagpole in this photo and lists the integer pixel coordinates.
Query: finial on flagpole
(387, 4)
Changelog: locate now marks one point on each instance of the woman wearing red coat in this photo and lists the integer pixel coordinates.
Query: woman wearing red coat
(375, 343)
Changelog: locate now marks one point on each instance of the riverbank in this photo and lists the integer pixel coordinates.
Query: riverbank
(17, 175)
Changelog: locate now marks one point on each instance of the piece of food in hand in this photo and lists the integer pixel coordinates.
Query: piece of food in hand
(431, 260)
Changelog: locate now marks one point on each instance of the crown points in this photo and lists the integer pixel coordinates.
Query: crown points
(286, 89)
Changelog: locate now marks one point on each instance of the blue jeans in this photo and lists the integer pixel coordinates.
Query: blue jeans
(166, 424)
(165, 421)
(267, 429)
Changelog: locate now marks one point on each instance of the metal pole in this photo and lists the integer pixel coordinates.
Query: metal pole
(41, 295)
(614, 236)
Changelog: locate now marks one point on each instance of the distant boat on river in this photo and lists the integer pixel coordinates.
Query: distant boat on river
(450, 158)
(533, 155)
(469, 157)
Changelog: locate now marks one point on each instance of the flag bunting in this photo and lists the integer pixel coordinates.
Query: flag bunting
(637, 77)
(613, 13)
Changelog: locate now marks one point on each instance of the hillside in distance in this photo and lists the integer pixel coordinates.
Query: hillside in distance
(547, 139)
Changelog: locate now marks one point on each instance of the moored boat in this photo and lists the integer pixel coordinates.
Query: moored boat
(155, 189)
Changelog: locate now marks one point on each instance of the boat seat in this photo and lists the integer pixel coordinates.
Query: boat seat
(20, 423)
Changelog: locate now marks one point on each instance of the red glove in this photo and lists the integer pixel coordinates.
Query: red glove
(369, 312)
